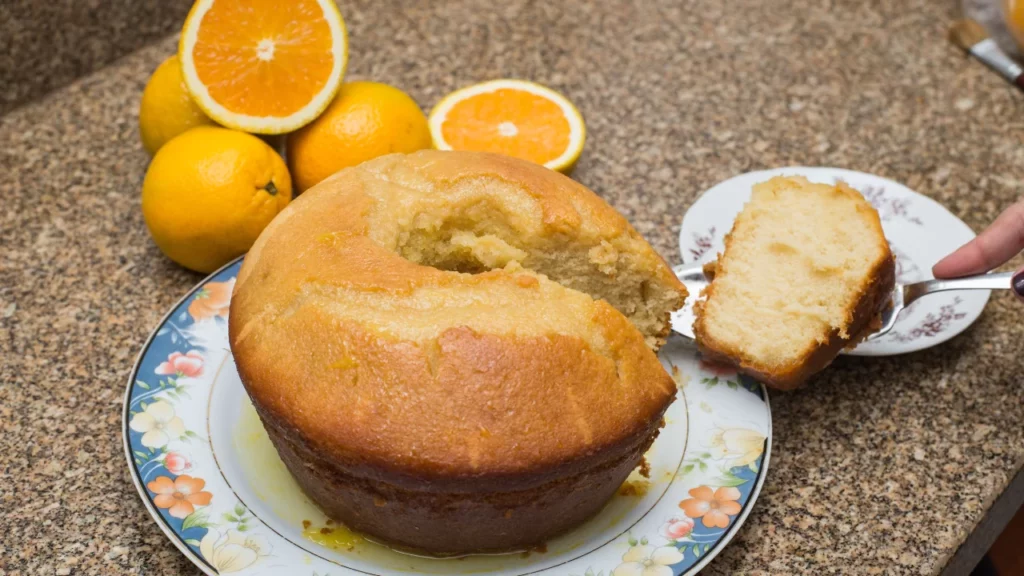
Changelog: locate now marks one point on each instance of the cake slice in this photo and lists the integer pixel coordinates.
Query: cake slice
(806, 271)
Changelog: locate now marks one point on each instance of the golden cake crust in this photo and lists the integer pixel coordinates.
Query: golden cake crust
(367, 367)
(865, 315)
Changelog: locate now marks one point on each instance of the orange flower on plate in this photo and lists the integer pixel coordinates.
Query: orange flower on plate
(714, 508)
(180, 495)
(212, 301)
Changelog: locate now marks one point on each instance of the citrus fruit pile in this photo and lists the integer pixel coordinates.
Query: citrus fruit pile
(248, 70)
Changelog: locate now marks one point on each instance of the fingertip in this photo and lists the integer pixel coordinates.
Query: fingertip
(949, 267)
(971, 258)
(939, 271)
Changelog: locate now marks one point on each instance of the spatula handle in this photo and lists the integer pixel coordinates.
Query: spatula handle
(996, 281)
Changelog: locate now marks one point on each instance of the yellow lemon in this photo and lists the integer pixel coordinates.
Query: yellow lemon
(365, 120)
(167, 109)
(210, 192)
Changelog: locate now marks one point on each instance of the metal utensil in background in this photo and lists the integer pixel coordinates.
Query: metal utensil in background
(903, 295)
(692, 276)
(972, 38)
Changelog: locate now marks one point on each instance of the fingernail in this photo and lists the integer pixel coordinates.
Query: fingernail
(1018, 284)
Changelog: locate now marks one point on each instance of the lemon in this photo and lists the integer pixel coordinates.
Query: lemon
(365, 120)
(167, 109)
(210, 192)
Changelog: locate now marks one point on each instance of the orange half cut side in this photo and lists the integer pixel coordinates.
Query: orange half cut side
(512, 117)
(263, 66)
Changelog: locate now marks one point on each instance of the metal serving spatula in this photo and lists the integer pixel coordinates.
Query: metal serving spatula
(692, 275)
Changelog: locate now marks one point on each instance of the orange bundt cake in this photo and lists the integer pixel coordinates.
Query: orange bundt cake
(455, 351)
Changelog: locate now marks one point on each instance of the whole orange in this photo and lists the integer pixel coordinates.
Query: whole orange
(365, 120)
(208, 194)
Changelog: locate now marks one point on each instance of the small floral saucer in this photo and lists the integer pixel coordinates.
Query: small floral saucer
(920, 232)
(211, 479)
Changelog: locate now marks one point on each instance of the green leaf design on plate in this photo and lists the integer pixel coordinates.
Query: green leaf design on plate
(192, 542)
(142, 384)
(753, 467)
(239, 510)
(197, 519)
(696, 550)
(729, 479)
(229, 517)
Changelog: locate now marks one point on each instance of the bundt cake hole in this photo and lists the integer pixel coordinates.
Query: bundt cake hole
(480, 239)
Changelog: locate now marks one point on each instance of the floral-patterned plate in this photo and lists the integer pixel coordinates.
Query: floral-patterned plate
(920, 232)
(211, 479)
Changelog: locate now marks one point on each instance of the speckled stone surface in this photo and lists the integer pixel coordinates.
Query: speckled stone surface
(44, 45)
(881, 466)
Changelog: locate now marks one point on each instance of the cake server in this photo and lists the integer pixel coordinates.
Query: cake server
(903, 295)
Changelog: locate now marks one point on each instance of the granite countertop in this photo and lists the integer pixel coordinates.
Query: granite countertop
(883, 465)
(45, 45)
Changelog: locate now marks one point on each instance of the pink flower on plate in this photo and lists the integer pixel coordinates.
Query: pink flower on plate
(677, 528)
(176, 463)
(189, 364)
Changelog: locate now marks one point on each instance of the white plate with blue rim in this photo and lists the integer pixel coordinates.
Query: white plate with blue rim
(211, 480)
(920, 232)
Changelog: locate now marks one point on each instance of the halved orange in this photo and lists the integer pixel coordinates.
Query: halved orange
(263, 66)
(513, 117)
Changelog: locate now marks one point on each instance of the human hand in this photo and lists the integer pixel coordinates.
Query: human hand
(998, 243)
